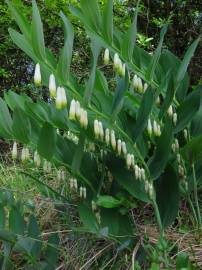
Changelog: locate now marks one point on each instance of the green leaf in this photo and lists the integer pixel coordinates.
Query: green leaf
(101, 82)
(182, 261)
(91, 11)
(107, 22)
(64, 62)
(88, 218)
(144, 112)
(47, 141)
(188, 109)
(156, 56)
(192, 150)
(158, 161)
(52, 251)
(21, 126)
(95, 48)
(23, 44)
(168, 196)
(186, 60)
(122, 87)
(16, 221)
(5, 121)
(20, 19)
(170, 93)
(108, 201)
(37, 33)
(117, 224)
(129, 38)
(16, 101)
(7, 236)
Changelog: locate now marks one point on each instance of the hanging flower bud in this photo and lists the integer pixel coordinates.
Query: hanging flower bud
(155, 128)
(139, 173)
(75, 184)
(107, 136)
(106, 56)
(61, 100)
(23, 155)
(173, 147)
(135, 82)
(124, 149)
(101, 131)
(59, 176)
(145, 87)
(149, 128)
(72, 110)
(85, 120)
(37, 160)
(185, 134)
(139, 86)
(71, 183)
(128, 161)
(119, 146)
(175, 119)
(52, 86)
(81, 192)
(37, 75)
(27, 153)
(132, 160)
(146, 186)
(143, 176)
(116, 62)
(177, 145)
(151, 191)
(136, 172)
(96, 128)
(84, 193)
(170, 111)
(15, 151)
(77, 109)
(158, 130)
(178, 158)
(123, 70)
(181, 171)
(113, 140)
(47, 167)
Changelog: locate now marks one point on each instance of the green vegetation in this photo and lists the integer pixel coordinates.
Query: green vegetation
(106, 138)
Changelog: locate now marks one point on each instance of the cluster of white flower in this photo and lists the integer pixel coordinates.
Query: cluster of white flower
(61, 175)
(73, 183)
(76, 112)
(82, 192)
(138, 85)
(118, 66)
(172, 114)
(153, 128)
(181, 166)
(37, 160)
(25, 155)
(149, 188)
